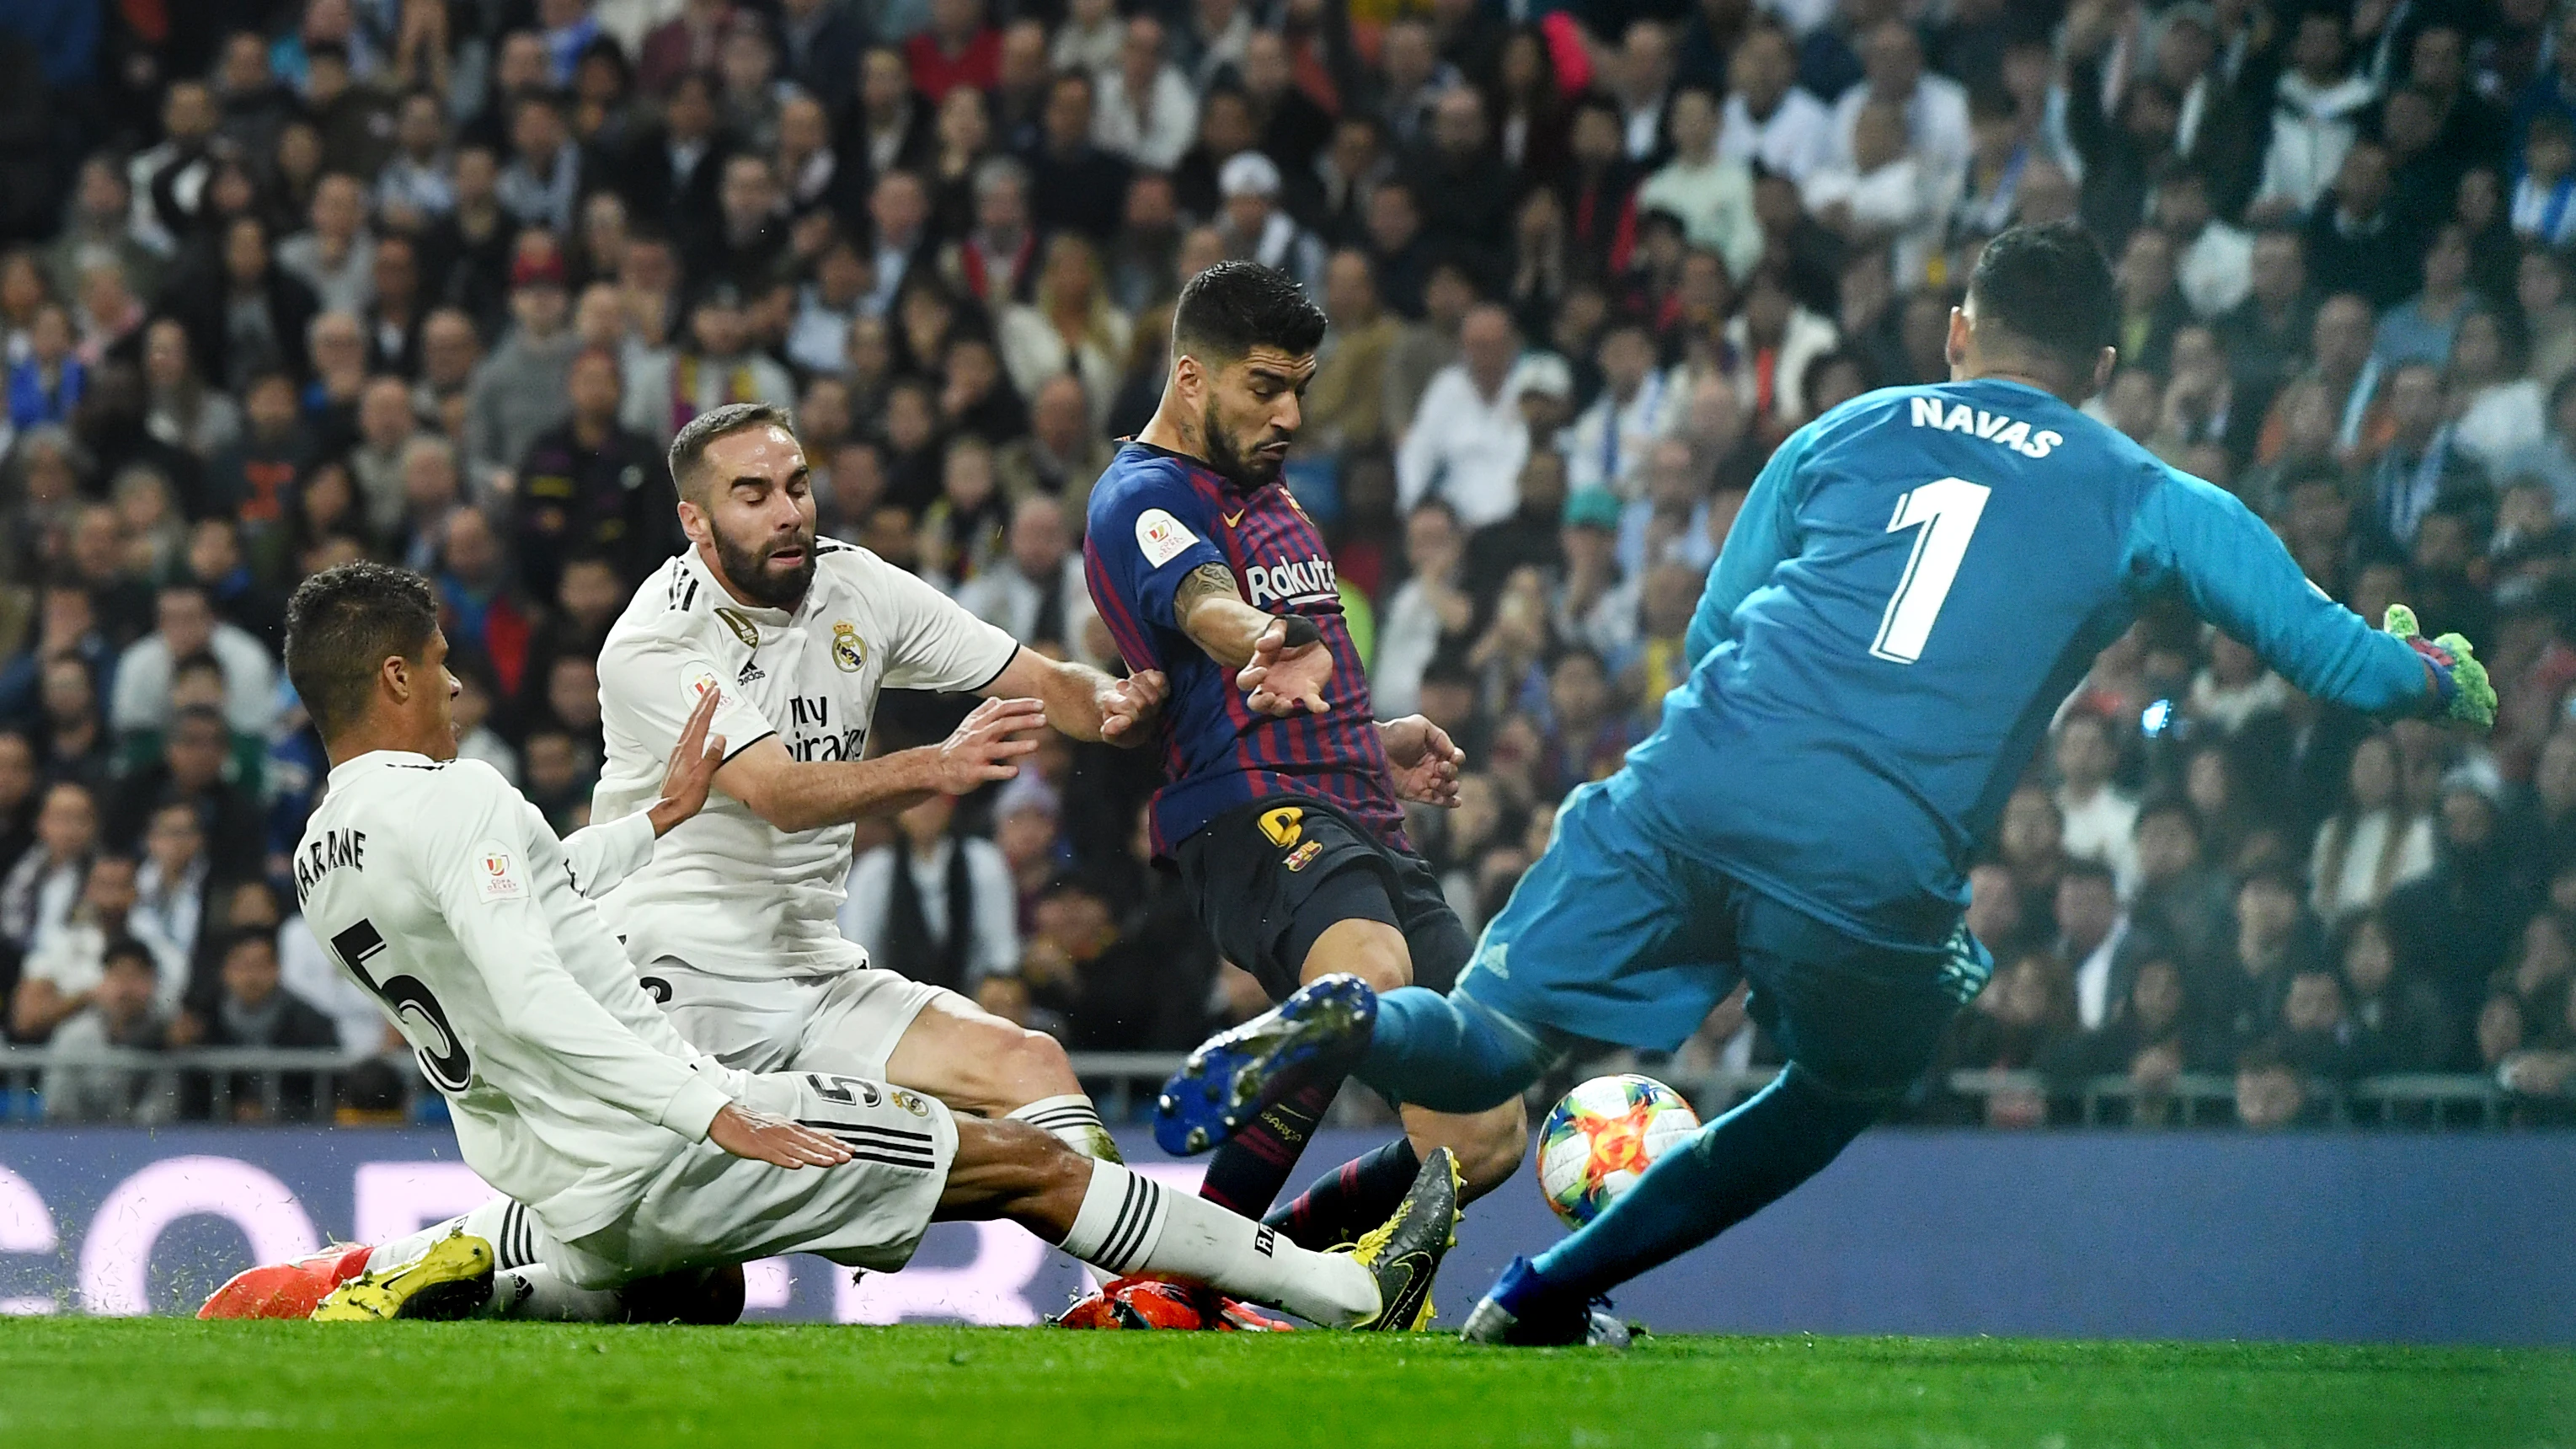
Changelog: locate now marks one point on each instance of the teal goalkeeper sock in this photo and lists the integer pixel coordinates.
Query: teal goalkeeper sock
(1449, 1053)
(1733, 1168)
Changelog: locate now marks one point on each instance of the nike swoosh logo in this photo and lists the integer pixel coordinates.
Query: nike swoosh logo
(1389, 1298)
(1398, 1305)
(1232, 519)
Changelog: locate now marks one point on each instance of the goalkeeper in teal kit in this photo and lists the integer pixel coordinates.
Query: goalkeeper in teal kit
(1917, 580)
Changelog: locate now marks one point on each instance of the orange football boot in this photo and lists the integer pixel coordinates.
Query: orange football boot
(287, 1290)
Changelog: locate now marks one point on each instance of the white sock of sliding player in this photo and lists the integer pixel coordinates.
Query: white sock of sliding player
(394, 1252)
(1073, 1121)
(1129, 1224)
(523, 1286)
(502, 1223)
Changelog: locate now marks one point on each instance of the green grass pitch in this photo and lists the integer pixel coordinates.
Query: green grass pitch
(73, 1383)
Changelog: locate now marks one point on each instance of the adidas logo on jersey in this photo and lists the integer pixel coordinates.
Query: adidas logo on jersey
(751, 670)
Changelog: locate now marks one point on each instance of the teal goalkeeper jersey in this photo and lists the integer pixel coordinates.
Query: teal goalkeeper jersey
(1917, 580)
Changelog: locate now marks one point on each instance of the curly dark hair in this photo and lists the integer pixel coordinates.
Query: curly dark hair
(341, 626)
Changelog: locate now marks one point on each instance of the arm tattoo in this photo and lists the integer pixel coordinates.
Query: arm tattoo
(1205, 581)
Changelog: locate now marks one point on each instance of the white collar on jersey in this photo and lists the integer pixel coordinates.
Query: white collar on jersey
(376, 759)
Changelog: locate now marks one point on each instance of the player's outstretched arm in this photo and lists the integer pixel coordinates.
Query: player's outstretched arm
(2236, 574)
(1763, 537)
(795, 795)
(1279, 660)
(1080, 700)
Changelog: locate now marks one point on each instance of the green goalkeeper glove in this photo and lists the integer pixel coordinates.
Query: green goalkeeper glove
(2460, 682)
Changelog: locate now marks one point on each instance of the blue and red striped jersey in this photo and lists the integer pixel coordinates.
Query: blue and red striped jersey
(1155, 515)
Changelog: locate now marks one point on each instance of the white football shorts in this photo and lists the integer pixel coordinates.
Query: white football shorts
(706, 1207)
(844, 1022)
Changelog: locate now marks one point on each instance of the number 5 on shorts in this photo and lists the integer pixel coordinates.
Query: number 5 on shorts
(1946, 511)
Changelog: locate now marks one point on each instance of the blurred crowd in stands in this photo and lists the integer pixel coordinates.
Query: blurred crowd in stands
(290, 282)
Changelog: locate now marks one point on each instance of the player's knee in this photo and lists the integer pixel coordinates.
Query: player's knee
(1039, 1064)
(1017, 1066)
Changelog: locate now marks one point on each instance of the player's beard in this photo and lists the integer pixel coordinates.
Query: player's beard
(748, 568)
(1246, 468)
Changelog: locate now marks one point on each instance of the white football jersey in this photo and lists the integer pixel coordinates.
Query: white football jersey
(442, 891)
(728, 892)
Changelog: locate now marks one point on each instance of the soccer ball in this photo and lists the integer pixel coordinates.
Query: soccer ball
(1602, 1138)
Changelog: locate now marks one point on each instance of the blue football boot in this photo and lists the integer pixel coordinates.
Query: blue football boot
(1233, 1075)
(1522, 1311)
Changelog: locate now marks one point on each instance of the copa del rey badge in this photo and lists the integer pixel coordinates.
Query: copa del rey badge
(496, 873)
(1161, 537)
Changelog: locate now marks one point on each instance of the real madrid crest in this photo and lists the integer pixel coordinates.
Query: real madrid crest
(847, 651)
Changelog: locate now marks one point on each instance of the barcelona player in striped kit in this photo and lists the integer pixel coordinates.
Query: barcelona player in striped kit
(1281, 810)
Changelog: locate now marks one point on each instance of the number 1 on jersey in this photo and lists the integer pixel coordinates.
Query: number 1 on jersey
(1946, 511)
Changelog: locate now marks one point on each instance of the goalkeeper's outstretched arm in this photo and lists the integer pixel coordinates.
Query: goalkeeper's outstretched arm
(2200, 540)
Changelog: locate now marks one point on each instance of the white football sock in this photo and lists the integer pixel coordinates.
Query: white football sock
(1073, 1121)
(1129, 1224)
(483, 1223)
(523, 1286)
(502, 1223)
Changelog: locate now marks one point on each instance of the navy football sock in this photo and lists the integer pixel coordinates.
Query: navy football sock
(1351, 1199)
(1448, 1053)
(1247, 1172)
(1733, 1168)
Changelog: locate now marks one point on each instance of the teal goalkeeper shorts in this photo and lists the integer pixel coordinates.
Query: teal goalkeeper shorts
(1614, 937)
